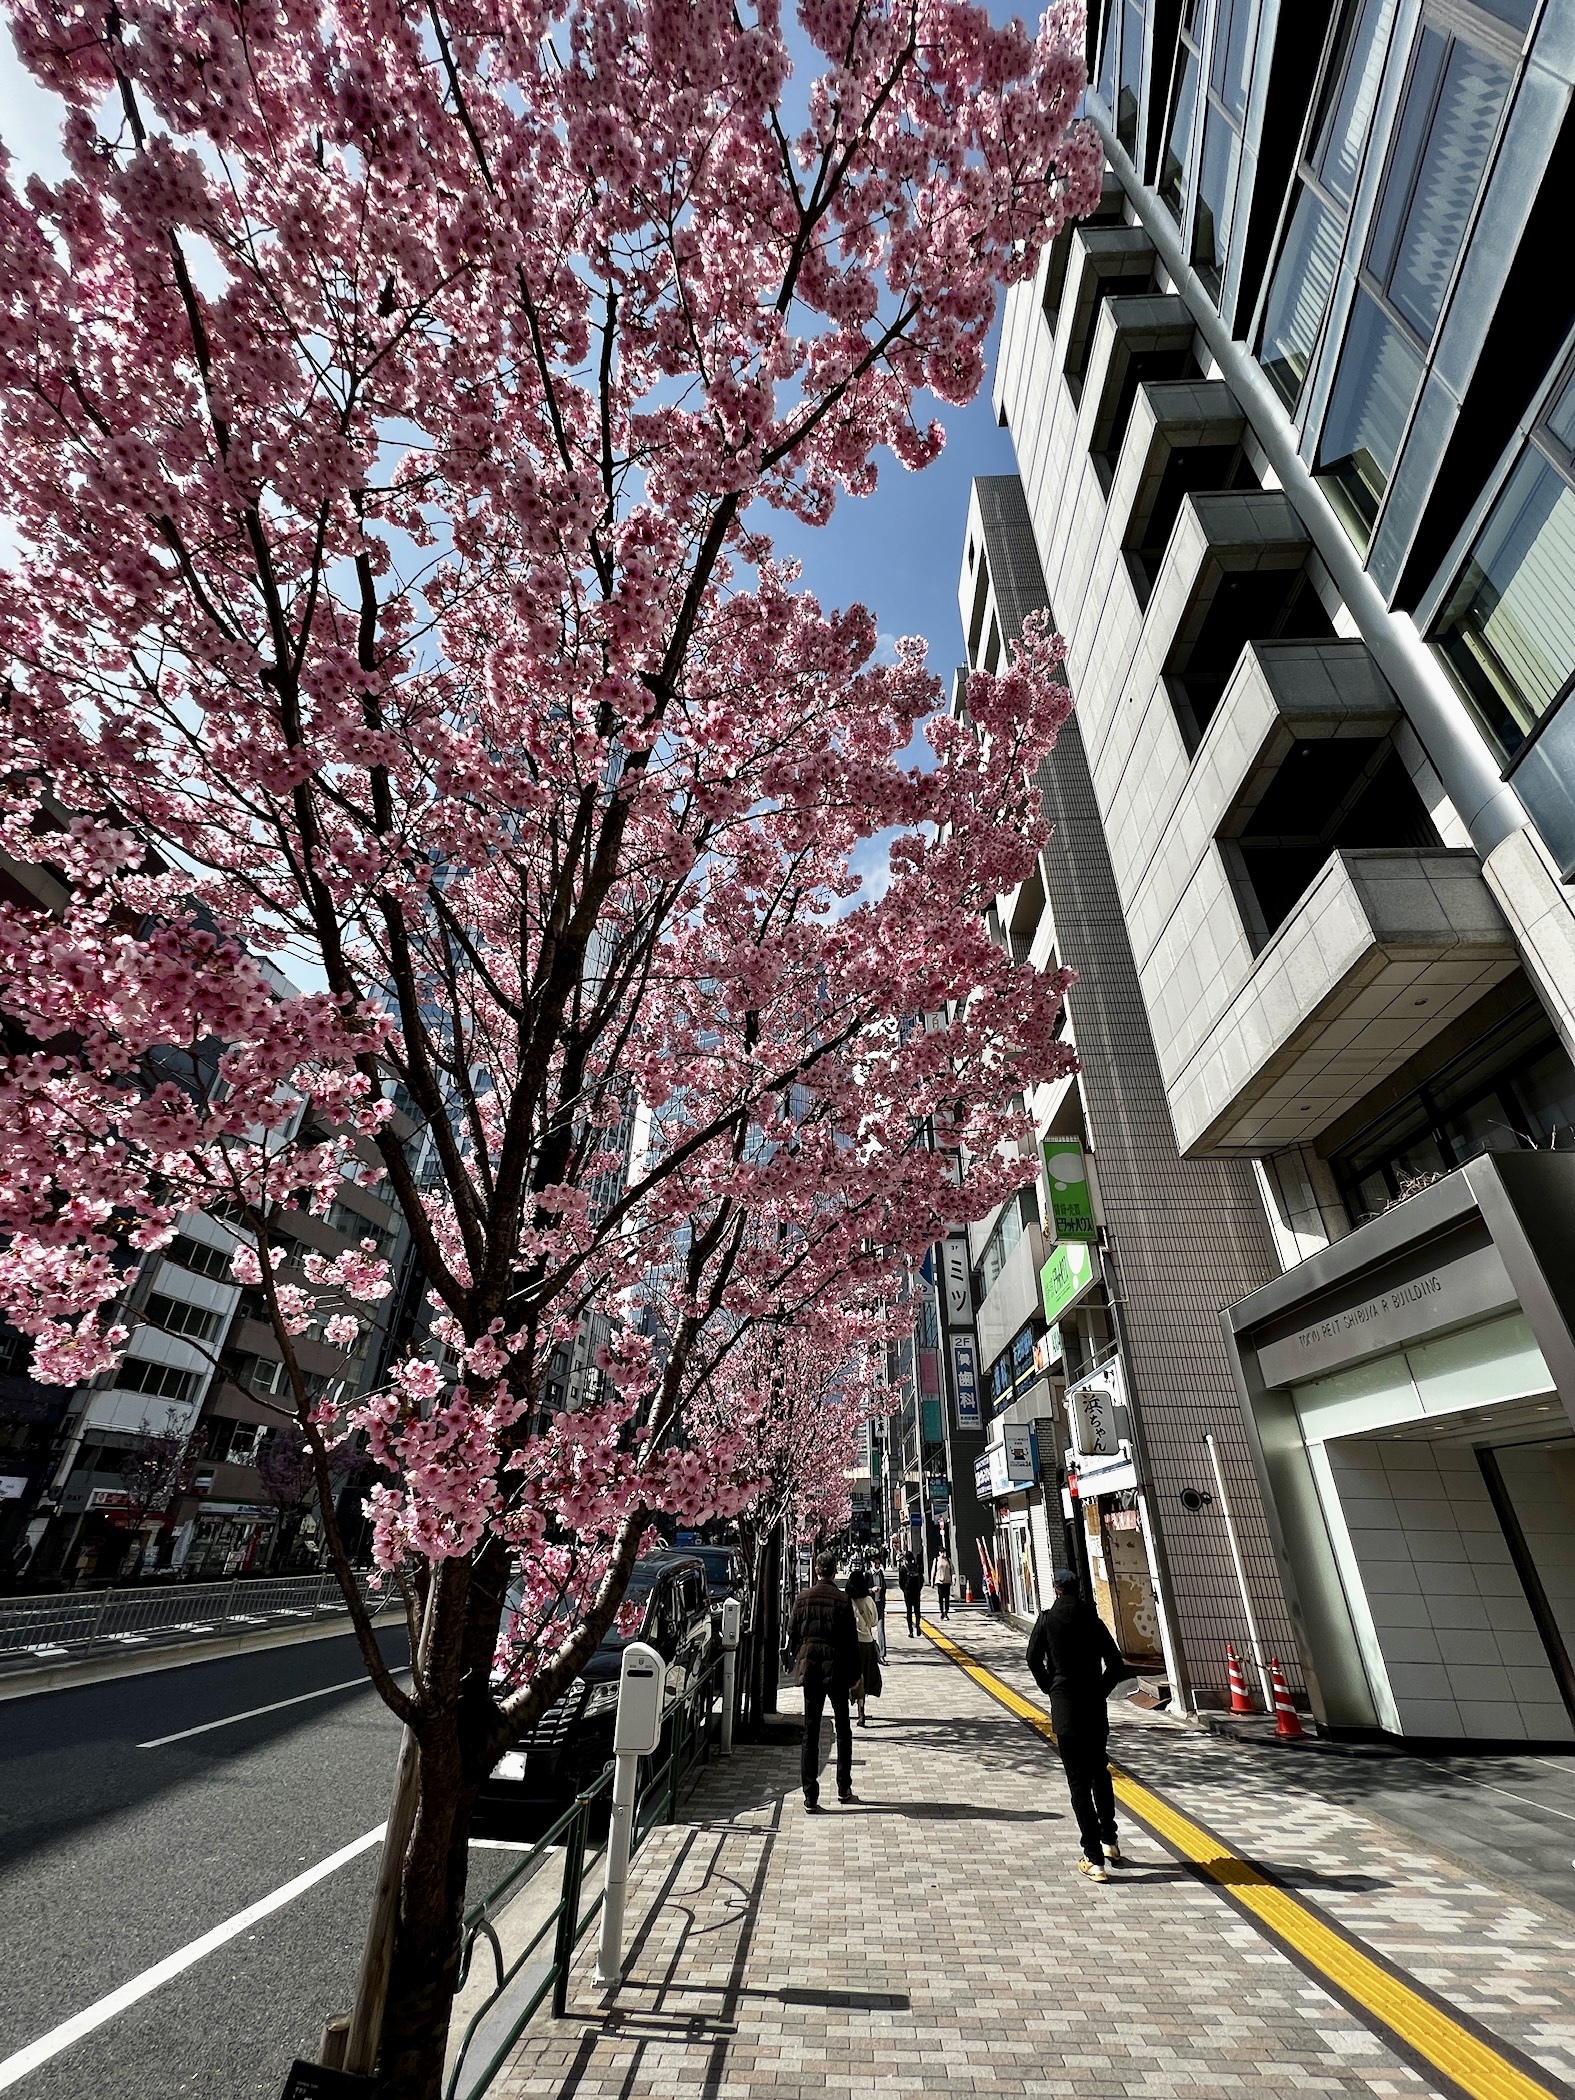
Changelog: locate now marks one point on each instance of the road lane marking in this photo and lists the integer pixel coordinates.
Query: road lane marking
(83, 2023)
(252, 1712)
(1417, 2025)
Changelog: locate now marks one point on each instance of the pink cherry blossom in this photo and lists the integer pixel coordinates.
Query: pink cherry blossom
(430, 759)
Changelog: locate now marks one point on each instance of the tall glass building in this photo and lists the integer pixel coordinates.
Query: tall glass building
(1294, 417)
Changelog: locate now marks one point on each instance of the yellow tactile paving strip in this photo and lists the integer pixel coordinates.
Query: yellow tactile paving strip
(1409, 2018)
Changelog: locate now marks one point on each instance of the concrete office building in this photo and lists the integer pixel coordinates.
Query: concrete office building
(1294, 417)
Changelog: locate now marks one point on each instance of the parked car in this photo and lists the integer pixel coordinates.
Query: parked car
(572, 1741)
(726, 1573)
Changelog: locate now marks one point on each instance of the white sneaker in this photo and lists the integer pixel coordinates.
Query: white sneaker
(1114, 1856)
(1093, 1869)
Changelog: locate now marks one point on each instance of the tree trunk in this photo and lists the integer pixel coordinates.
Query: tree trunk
(425, 1965)
(771, 1625)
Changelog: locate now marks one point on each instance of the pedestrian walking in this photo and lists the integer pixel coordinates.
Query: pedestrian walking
(823, 1647)
(910, 1580)
(1073, 1658)
(878, 1582)
(941, 1576)
(862, 1597)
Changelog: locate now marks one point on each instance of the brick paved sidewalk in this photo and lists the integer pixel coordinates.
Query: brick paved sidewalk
(937, 1938)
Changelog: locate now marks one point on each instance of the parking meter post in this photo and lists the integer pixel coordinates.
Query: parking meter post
(636, 1732)
(732, 1626)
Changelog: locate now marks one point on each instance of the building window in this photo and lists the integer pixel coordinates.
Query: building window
(1449, 118)
(1379, 372)
(1178, 136)
(1512, 1091)
(175, 1316)
(1507, 632)
(1107, 54)
(999, 1247)
(1129, 98)
(1224, 113)
(1453, 103)
(162, 1381)
(199, 1257)
(1326, 182)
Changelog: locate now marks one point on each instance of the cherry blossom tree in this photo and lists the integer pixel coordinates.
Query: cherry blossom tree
(394, 401)
(800, 1389)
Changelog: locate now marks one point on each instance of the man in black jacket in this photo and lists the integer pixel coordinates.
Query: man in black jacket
(823, 1641)
(910, 1580)
(1074, 1659)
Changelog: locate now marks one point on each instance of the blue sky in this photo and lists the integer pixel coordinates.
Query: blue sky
(899, 551)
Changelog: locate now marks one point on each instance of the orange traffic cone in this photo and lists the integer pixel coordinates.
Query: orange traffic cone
(1239, 1702)
(1287, 1721)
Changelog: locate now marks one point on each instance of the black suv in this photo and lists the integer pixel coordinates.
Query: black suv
(572, 1741)
(726, 1574)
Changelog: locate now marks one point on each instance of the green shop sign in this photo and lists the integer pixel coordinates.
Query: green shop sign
(1065, 1276)
(1066, 1177)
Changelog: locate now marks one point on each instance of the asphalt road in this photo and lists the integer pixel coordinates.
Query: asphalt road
(113, 1857)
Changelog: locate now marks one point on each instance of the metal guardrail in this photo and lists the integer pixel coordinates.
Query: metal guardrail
(693, 1726)
(78, 1620)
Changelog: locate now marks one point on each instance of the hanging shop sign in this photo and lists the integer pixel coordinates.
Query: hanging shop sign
(1014, 1461)
(1066, 1276)
(956, 1288)
(965, 1380)
(940, 1492)
(1071, 1199)
(1092, 1407)
(981, 1477)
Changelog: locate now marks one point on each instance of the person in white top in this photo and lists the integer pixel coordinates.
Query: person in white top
(941, 1576)
(866, 1616)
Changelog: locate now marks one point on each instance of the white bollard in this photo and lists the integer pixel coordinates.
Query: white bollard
(636, 1732)
(732, 1625)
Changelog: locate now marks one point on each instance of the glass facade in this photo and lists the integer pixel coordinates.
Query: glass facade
(1507, 631)
(1225, 110)
(1407, 136)
(1513, 1090)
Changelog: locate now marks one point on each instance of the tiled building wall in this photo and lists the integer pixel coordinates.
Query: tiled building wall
(1459, 1644)
(1186, 1236)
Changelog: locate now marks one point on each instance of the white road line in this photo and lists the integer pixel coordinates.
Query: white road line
(58, 2038)
(252, 1712)
(1488, 1786)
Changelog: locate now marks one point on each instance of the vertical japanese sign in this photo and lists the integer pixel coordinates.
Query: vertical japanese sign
(956, 1290)
(965, 1380)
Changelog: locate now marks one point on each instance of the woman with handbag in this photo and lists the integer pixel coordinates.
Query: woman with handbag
(867, 1618)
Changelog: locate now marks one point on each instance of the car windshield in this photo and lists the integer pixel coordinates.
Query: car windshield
(718, 1561)
(631, 1613)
